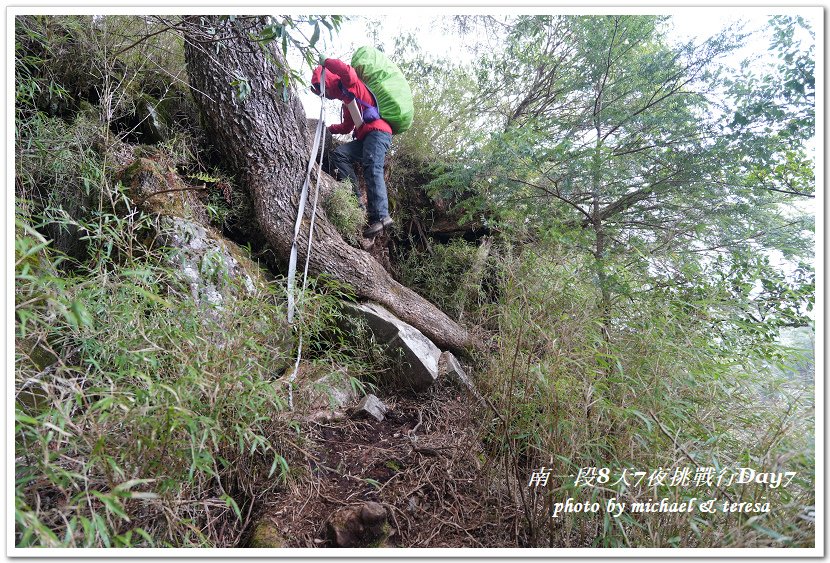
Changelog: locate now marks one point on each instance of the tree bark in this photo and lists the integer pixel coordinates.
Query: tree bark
(264, 139)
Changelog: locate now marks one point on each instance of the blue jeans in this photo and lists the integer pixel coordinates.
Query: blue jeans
(371, 153)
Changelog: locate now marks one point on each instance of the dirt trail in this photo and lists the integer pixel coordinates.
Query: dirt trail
(434, 484)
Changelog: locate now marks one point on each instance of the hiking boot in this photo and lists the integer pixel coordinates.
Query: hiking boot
(373, 229)
(377, 227)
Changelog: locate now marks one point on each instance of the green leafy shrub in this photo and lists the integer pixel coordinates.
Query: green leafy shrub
(449, 275)
(343, 211)
(58, 172)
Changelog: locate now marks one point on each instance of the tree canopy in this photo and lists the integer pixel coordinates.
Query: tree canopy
(603, 133)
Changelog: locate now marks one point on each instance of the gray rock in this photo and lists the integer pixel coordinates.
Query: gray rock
(417, 355)
(370, 405)
(214, 268)
(206, 262)
(449, 367)
(153, 120)
(383, 324)
(333, 391)
(326, 417)
(372, 513)
(325, 398)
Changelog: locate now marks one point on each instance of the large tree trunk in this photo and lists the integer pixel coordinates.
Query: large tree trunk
(264, 139)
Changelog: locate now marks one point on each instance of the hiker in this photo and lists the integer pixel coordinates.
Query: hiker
(372, 134)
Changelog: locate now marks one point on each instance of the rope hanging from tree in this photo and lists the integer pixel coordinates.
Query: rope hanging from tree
(318, 145)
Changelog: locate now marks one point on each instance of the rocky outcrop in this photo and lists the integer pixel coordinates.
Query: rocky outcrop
(206, 262)
(156, 188)
(415, 355)
(214, 269)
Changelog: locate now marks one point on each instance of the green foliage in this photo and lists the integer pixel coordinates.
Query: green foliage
(241, 88)
(343, 211)
(448, 275)
(445, 105)
(51, 67)
(226, 206)
(141, 401)
(774, 129)
(58, 175)
(53, 157)
(660, 392)
(281, 28)
(128, 68)
(445, 129)
(607, 135)
(641, 304)
(291, 31)
(136, 408)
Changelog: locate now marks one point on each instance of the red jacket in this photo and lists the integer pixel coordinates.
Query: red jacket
(339, 72)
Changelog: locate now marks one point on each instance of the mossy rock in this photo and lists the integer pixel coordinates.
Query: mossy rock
(150, 187)
(33, 356)
(40, 356)
(267, 535)
(360, 526)
(154, 120)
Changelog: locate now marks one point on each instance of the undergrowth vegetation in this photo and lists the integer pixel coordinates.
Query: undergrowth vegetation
(658, 396)
(452, 276)
(139, 419)
(343, 210)
(627, 343)
(143, 415)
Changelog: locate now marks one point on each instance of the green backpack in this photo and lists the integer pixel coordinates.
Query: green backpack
(388, 85)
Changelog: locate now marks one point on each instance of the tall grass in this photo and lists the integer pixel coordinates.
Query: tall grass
(659, 394)
(132, 404)
(143, 417)
(140, 418)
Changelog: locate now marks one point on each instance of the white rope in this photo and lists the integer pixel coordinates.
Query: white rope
(314, 210)
(292, 260)
(318, 148)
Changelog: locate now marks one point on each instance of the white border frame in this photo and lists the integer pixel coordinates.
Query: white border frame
(96, 7)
